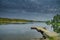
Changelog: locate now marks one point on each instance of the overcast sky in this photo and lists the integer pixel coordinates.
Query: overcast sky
(29, 9)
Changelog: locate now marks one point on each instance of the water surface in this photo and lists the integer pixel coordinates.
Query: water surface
(21, 31)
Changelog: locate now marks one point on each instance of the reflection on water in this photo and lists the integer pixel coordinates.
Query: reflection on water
(20, 31)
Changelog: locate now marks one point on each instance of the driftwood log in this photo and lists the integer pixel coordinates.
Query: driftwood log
(46, 33)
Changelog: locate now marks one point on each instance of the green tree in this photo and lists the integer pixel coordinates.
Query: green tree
(55, 22)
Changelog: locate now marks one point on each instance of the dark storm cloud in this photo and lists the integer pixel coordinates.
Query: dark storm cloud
(42, 6)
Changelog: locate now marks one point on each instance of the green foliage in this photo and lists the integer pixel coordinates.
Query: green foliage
(55, 22)
(48, 22)
(51, 38)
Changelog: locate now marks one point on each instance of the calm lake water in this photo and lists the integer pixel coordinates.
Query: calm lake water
(21, 31)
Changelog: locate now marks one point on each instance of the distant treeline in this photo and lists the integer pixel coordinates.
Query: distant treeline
(9, 20)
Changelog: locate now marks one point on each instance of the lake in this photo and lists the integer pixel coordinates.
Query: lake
(21, 31)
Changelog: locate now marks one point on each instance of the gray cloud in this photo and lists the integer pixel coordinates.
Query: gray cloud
(42, 6)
